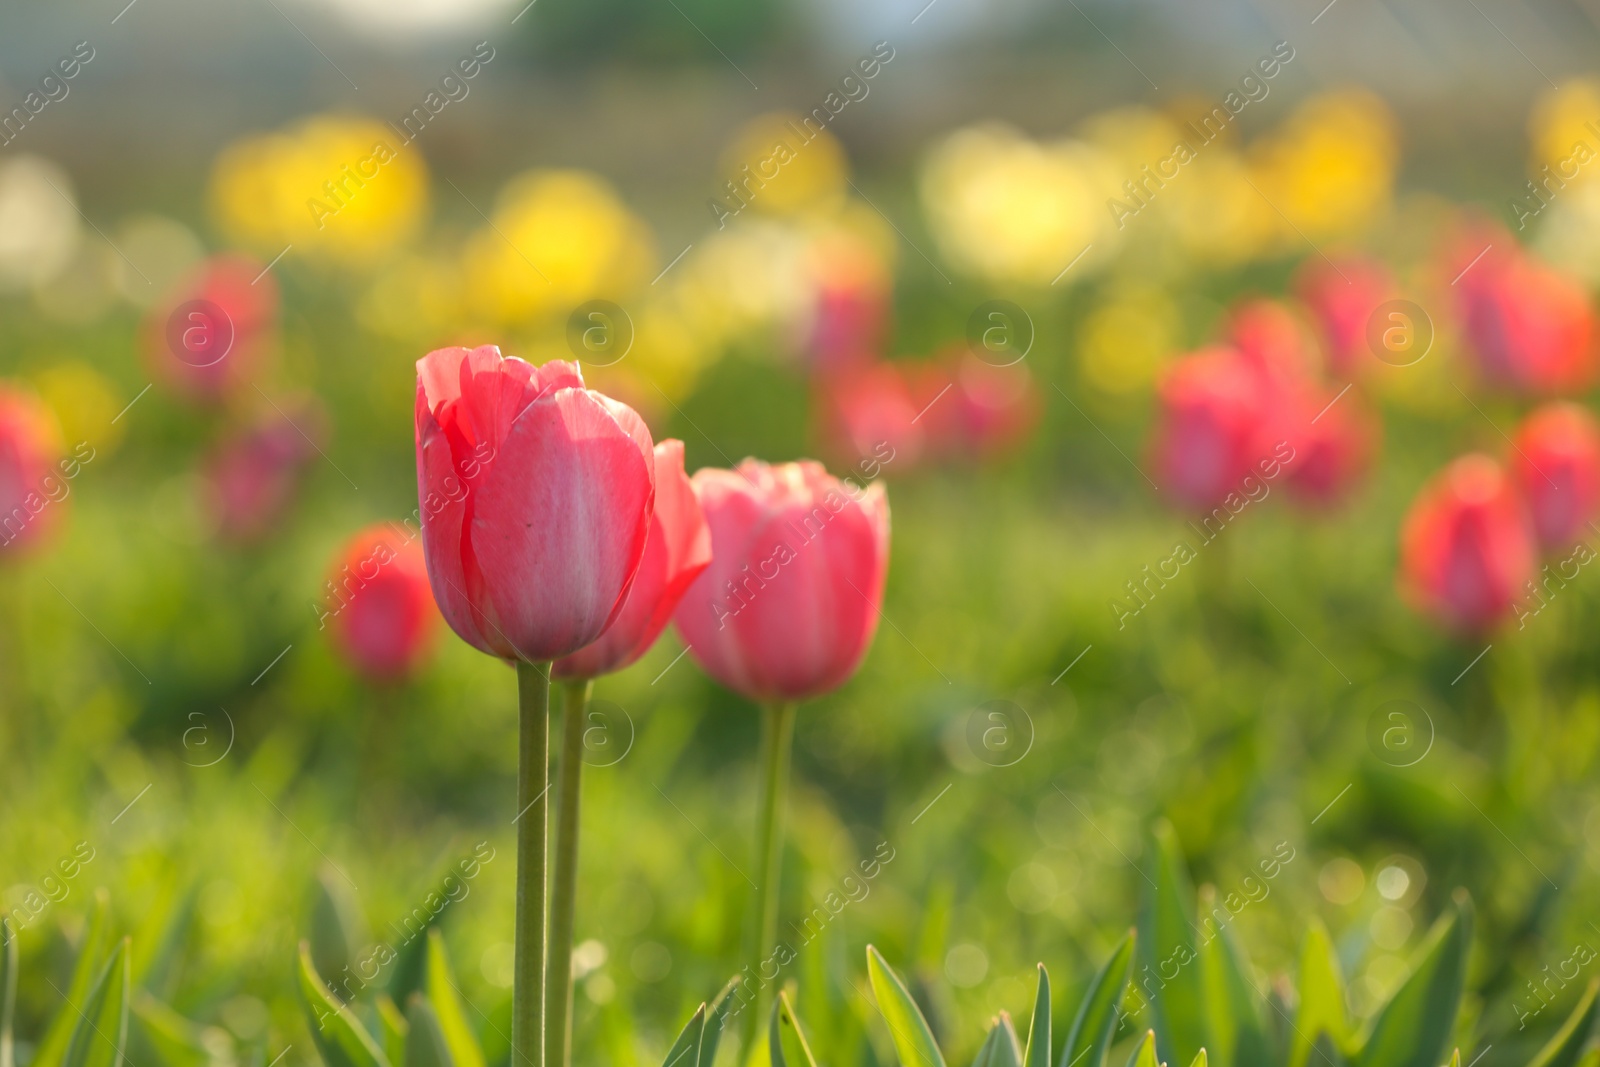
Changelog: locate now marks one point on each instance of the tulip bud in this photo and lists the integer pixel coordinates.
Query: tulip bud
(1333, 437)
(378, 604)
(1342, 300)
(32, 490)
(251, 477)
(1557, 470)
(1466, 548)
(1214, 405)
(536, 497)
(676, 551)
(790, 602)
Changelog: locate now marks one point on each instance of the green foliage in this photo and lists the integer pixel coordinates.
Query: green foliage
(1413, 1029)
(1096, 1019)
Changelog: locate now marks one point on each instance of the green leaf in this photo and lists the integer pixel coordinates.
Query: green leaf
(392, 1028)
(686, 1050)
(8, 989)
(1000, 1049)
(160, 1035)
(446, 1003)
(97, 935)
(1327, 1054)
(338, 1034)
(101, 1036)
(161, 938)
(1038, 1051)
(1322, 998)
(1566, 1046)
(786, 1041)
(1199, 1059)
(1413, 1029)
(337, 926)
(1167, 949)
(913, 1041)
(1144, 1054)
(1096, 1020)
(426, 1043)
(1233, 1008)
(716, 1020)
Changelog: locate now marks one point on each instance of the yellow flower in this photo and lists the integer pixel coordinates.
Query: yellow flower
(1330, 168)
(1563, 120)
(84, 404)
(344, 189)
(781, 164)
(558, 239)
(1125, 341)
(412, 297)
(1009, 209)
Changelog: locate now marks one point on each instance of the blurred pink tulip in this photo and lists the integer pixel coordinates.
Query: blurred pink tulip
(790, 602)
(32, 488)
(252, 476)
(536, 501)
(209, 337)
(382, 614)
(872, 412)
(1556, 467)
(1214, 409)
(1466, 548)
(1342, 298)
(676, 551)
(1334, 438)
(1271, 338)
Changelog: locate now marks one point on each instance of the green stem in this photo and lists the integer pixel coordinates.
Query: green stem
(564, 880)
(533, 827)
(777, 742)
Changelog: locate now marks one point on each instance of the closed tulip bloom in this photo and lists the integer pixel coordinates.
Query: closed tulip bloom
(1466, 548)
(1529, 326)
(676, 551)
(870, 412)
(1213, 405)
(1341, 300)
(378, 604)
(995, 408)
(32, 489)
(252, 476)
(536, 500)
(1273, 340)
(1334, 438)
(208, 338)
(1557, 469)
(790, 602)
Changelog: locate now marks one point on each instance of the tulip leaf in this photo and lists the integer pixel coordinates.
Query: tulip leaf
(1144, 1054)
(1414, 1027)
(1565, 1048)
(1167, 949)
(1199, 1059)
(716, 1020)
(913, 1040)
(686, 1050)
(338, 1034)
(97, 934)
(1037, 1053)
(426, 1044)
(156, 1031)
(393, 1030)
(445, 1001)
(8, 990)
(1326, 1054)
(1322, 998)
(1096, 1020)
(1232, 1005)
(1000, 1049)
(786, 1041)
(100, 1038)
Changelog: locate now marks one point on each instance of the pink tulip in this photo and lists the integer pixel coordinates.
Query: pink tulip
(209, 337)
(992, 408)
(1333, 437)
(536, 501)
(1211, 427)
(790, 602)
(1274, 341)
(1342, 300)
(1556, 467)
(33, 490)
(252, 476)
(677, 550)
(1529, 327)
(870, 413)
(1466, 548)
(379, 607)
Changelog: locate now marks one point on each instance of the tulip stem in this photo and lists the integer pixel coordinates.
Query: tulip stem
(564, 877)
(777, 742)
(533, 827)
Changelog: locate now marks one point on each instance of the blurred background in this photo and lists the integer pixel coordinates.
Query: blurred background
(952, 245)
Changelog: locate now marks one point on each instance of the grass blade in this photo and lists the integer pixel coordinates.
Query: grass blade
(913, 1040)
(1038, 1051)
(338, 1034)
(1096, 1020)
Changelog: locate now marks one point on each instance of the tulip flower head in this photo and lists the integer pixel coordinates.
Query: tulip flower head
(790, 602)
(872, 412)
(1333, 437)
(380, 609)
(1466, 548)
(537, 495)
(1557, 471)
(252, 476)
(1272, 339)
(209, 337)
(1529, 326)
(31, 491)
(1342, 300)
(676, 551)
(1214, 405)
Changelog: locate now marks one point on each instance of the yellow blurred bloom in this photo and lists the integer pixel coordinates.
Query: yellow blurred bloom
(781, 163)
(84, 404)
(558, 238)
(1012, 210)
(412, 297)
(1125, 341)
(1562, 119)
(1215, 214)
(341, 188)
(1330, 168)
